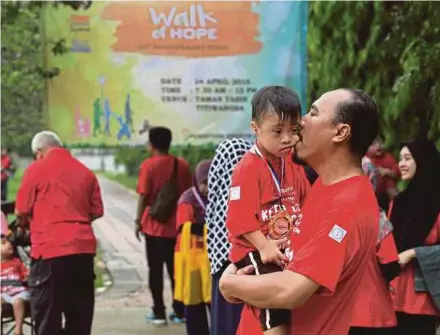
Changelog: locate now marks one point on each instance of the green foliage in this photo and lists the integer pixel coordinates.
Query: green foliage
(132, 157)
(389, 49)
(22, 88)
(23, 71)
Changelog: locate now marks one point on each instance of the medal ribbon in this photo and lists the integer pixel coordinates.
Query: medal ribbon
(278, 182)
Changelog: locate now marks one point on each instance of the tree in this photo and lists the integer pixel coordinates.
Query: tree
(23, 72)
(389, 49)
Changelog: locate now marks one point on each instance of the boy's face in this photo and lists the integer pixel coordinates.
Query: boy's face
(6, 247)
(276, 136)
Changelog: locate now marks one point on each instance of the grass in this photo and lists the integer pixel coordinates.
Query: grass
(121, 178)
(13, 186)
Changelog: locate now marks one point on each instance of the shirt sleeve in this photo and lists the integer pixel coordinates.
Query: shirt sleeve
(143, 186)
(185, 213)
(96, 206)
(324, 257)
(243, 203)
(27, 191)
(387, 251)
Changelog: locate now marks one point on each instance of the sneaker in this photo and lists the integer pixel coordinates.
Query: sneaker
(176, 319)
(156, 320)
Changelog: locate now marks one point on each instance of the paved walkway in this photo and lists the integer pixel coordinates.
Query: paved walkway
(121, 309)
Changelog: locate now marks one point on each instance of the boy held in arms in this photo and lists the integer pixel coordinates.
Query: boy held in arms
(13, 274)
(263, 207)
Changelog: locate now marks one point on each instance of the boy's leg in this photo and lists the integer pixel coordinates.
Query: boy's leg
(19, 307)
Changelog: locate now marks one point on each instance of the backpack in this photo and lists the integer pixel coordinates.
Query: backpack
(166, 201)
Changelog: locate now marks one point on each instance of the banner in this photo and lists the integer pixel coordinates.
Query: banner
(192, 66)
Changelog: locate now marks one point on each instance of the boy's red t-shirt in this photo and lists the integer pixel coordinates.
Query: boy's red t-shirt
(254, 199)
(13, 269)
(374, 307)
(338, 235)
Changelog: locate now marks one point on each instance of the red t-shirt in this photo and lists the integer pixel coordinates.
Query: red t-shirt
(13, 269)
(254, 200)
(6, 164)
(337, 240)
(386, 160)
(374, 307)
(62, 196)
(153, 174)
(404, 296)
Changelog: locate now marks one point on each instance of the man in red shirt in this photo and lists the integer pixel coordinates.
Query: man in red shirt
(339, 229)
(160, 234)
(7, 170)
(388, 172)
(58, 199)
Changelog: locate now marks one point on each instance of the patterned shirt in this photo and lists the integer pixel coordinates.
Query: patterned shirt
(227, 155)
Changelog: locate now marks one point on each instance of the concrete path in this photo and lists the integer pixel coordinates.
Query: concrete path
(122, 308)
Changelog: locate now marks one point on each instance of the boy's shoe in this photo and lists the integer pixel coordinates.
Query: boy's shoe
(156, 320)
(176, 319)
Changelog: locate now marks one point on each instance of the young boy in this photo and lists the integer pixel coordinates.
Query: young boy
(263, 207)
(13, 269)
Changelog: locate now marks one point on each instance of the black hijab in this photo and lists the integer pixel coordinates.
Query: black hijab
(416, 209)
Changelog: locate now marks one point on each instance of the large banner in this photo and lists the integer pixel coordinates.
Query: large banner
(192, 66)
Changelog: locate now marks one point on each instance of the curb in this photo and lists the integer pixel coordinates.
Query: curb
(129, 190)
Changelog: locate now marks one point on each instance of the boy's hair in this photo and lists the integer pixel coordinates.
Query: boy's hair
(276, 99)
(160, 138)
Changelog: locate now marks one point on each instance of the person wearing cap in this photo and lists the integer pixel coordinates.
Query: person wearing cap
(58, 200)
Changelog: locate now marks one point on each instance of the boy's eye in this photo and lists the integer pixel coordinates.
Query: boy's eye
(277, 131)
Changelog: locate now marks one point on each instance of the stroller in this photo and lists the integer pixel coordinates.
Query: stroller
(21, 243)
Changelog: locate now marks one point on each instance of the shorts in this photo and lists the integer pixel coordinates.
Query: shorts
(11, 299)
(269, 318)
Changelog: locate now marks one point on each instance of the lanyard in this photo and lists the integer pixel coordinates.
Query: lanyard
(278, 182)
(199, 199)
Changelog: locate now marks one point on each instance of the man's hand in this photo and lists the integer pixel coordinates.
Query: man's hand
(231, 270)
(271, 253)
(137, 229)
(406, 256)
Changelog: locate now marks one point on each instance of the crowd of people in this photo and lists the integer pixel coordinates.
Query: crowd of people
(302, 231)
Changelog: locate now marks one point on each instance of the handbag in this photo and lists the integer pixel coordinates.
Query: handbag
(193, 282)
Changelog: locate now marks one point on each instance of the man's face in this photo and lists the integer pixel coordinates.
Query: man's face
(319, 133)
(4, 152)
(276, 136)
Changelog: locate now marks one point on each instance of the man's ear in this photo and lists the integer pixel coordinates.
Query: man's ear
(342, 133)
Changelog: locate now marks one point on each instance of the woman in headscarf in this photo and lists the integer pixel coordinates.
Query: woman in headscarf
(415, 214)
(191, 261)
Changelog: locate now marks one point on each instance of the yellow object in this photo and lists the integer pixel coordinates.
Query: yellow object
(192, 269)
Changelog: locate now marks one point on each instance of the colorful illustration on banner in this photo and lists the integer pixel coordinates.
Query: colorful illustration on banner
(192, 66)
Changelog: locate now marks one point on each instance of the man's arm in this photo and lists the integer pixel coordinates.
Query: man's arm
(97, 208)
(26, 197)
(286, 289)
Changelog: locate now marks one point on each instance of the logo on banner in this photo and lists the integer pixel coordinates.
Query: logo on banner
(191, 24)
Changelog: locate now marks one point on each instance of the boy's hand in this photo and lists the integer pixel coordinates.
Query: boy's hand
(271, 253)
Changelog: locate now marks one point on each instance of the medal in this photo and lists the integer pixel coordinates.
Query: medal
(280, 225)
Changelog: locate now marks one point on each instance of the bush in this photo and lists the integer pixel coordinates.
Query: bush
(132, 157)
